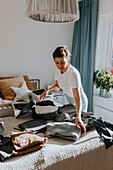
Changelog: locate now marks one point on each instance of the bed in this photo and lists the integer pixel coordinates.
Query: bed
(88, 153)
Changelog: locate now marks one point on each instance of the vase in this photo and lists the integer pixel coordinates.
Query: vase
(104, 93)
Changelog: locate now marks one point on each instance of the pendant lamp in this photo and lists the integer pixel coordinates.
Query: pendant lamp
(52, 10)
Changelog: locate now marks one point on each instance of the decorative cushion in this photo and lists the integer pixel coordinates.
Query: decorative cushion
(5, 86)
(29, 85)
(22, 93)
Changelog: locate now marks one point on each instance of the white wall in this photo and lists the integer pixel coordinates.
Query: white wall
(26, 46)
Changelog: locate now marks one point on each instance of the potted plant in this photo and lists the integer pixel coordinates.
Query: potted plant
(104, 81)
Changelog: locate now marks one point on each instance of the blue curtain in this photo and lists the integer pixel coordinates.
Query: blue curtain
(83, 48)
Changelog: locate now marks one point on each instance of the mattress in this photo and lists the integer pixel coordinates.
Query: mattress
(88, 153)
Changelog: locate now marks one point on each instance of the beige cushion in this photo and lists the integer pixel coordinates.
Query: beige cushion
(29, 85)
(5, 86)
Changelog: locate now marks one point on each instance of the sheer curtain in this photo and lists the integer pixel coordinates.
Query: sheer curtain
(83, 49)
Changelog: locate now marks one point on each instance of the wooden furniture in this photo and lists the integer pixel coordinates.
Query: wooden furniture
(35, 83)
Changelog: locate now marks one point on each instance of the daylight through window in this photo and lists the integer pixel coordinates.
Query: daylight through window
(111, 53)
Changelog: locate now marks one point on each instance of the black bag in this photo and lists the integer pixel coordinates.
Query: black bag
(45, 110)
(36, 126)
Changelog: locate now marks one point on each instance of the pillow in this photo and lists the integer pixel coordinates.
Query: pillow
(22, 93)
(29, 85)
(5, 86)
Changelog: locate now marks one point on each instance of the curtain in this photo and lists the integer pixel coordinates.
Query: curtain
(83, 48)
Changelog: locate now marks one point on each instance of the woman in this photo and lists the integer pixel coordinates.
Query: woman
(68, 79)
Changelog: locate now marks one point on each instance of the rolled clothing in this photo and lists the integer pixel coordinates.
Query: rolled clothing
(84, 100)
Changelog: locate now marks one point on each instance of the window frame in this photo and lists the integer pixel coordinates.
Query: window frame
(109, 43)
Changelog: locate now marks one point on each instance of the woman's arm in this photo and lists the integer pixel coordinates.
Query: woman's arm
(76, 94)
(54, 88)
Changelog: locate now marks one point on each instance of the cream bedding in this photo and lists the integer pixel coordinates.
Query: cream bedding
(88, 153)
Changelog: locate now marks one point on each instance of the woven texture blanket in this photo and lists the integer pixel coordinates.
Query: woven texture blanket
(88, 153)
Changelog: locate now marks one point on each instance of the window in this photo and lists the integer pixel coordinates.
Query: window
(111, 52)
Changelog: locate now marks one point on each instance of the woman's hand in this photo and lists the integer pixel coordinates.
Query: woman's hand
(54, 88)
(43, 95)
(76, 94)
(80, 122)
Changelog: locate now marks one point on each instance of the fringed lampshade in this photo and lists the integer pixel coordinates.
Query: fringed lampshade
(52, 10)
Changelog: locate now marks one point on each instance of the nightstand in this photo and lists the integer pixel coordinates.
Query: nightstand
(60, 97)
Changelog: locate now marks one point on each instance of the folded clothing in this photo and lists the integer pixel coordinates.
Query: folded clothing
(41, 110)
(65, 130)
(24, 140)
(20, 143)
(45, 110)
(86, 118)
(33, 148)
(67, 108)
(36, 126)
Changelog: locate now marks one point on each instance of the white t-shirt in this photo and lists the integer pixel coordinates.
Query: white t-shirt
(68, 80)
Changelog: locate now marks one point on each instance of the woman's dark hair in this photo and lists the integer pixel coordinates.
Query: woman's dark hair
(61, 51)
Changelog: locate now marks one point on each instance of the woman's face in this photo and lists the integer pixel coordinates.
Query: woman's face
(62, 63)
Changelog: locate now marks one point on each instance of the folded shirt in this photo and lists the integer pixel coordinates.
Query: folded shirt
(45, 109)
(24, 140)
(65, 130)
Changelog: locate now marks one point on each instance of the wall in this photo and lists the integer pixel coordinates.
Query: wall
(26, 46)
